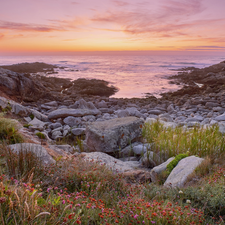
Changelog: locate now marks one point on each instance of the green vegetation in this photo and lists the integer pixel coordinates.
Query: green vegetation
(74, 191)
(8, 108)
(174, 162)
(27, 125)
(41, 135)
(168, 142)
(8, 131)
(31, 116)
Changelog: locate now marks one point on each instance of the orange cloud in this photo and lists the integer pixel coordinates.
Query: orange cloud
(2, 36)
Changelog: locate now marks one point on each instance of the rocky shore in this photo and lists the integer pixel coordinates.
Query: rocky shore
(111, 128)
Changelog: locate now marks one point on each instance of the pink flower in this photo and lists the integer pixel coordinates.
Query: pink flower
(136, 216)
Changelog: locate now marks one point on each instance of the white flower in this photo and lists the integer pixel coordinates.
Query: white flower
(181, 192)
(188, 201)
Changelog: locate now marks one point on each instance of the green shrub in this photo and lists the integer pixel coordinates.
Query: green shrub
(41, 135)
(31, 116)
(27, 125)
(174, 162)
(8, 131)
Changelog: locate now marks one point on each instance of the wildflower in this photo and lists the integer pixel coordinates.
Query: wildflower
(152, 222)
(181, 192)
(136, 216)
(2, 200)
(188, 201)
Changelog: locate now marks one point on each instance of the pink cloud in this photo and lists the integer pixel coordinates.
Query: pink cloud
(120, 3)
(168, 20)
(6, 25)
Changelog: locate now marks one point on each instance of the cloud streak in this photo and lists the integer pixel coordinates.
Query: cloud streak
(168, 20)
(6, 25)
(2, 36)
(120, 3)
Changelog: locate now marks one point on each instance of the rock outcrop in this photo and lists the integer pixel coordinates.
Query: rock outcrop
(180, 173)
(112, 135)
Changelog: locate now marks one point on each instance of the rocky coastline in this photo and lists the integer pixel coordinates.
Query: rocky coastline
(61, 109)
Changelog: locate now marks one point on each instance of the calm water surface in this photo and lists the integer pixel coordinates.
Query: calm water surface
(133, 75)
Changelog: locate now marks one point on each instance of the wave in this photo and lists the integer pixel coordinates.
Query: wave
(89, 63)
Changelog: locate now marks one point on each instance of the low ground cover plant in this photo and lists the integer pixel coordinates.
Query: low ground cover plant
(75, 191)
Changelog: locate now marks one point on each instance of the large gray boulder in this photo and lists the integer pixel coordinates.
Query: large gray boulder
(111, 162)
(80, 108)
(114, 134)
(62, 113)
(180, 173)
(40, 151)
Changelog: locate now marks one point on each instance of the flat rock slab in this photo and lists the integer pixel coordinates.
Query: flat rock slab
(180, 173)
(162, 167)
(62, 113)
(40, 151)
(220, 118)
(111, 162)
(114, 134)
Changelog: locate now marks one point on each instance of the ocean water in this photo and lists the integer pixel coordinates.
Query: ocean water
(133, 75)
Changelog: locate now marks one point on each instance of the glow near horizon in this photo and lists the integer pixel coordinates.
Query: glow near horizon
(29, 26)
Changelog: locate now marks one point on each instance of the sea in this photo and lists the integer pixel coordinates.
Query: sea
(134, 75)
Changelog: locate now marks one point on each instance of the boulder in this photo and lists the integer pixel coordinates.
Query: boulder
(80, 108)
(111, 162)
(19, 109)
(3, 102)
(221, 127)
(54, 126)
(166, 117)
(220, 117)
(141, 149)
(180, 173)
(39, 115)
(57, 134)
(40, 151)
(114, 134)
(132, 111)
(36, 124)
(155, 112)
(66, 148)
(62, 113)
(78, 131)
(162, 167)
(72, 121)
(122, 113)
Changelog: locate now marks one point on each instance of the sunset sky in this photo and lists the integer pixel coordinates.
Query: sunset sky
(43, 26)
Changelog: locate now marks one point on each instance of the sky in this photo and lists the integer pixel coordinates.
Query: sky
(60, 26)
